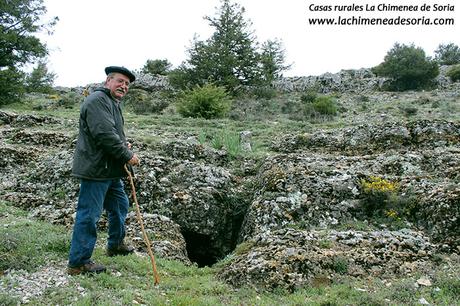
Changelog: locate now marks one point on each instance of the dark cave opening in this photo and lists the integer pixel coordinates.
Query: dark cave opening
(200, 249)
(206, 250)
(207, 245)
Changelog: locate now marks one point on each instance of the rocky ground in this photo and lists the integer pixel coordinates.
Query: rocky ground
(298, 221)
(294, 217)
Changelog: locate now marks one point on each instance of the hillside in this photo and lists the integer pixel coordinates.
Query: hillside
(264, 202)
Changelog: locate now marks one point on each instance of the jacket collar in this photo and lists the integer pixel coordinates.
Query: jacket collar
(107, 92)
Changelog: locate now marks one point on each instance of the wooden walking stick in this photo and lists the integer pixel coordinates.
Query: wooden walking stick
(156, 277)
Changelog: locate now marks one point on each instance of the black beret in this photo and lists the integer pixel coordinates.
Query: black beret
(121, 70)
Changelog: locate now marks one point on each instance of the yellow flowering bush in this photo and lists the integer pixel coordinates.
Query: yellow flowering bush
(391, 213)
(54, 97)
(378, 196)
(377, 184)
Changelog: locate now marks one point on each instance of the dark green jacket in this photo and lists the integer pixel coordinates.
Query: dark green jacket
(101, 149)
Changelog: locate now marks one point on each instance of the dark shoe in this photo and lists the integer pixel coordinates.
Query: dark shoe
(121, 249)
(90, 267)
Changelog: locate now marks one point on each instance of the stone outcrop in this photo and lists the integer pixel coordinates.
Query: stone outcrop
(287, 220)
(184, 192)
(314, 185)
(352, 81)
(370, 138)
(346, 80)
(151, 82)
(289, 259)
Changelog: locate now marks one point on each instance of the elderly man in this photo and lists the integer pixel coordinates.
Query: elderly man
(100, 155)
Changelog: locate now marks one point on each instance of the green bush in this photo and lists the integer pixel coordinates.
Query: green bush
(308, 97)
(70, 99)
(292, 107)
(149, 106)
(321, 107)
(408, 68)
(383, 202)
(325, 106)
(8, 299)
(454, 73)
(340, 265)
(208, 101)
(377, 195)
(363, 99)
(450, 286)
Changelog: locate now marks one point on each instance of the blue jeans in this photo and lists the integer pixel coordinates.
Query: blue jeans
(95, 196)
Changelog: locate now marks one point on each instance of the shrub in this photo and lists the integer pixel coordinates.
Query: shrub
(454, 73)
(377, 196)
(436, 104)
(408, 68)
(308, 97)
(325, 106)
(243, 247)
(363, 99)
(340, 265)
(403, 292)
(207, 101)
(382, 202)
(69, 100)
(363, 102)
(325, 244)
(8, 299)
(149, 106)
(290, 106)
(134, 95)
(448, 54)
(450, 286)
(321, 107)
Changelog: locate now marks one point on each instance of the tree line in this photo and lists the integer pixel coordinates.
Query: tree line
(230, 59)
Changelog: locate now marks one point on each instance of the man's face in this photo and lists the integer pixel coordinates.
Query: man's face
(118, 85)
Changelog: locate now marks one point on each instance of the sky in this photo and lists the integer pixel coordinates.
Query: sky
(91, 35)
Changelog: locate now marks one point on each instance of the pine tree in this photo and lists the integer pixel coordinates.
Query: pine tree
(230, 57)
(272, 60)
(40, 79)
(20, 20)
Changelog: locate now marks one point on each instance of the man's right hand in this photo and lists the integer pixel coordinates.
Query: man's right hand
(134, 161)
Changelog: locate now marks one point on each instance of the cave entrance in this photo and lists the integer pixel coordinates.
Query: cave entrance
(206, 250)
(207, 245)
(201, 249)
